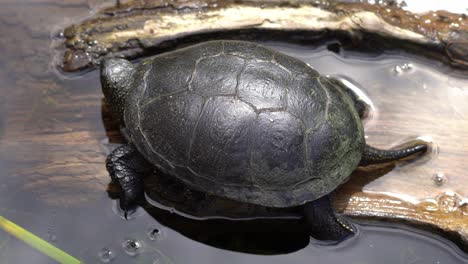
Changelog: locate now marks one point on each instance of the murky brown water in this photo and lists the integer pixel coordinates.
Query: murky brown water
(53, 145)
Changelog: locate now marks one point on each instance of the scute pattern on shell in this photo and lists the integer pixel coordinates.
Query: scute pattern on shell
(242, 121)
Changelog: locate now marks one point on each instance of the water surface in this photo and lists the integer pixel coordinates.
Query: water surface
(53, 144)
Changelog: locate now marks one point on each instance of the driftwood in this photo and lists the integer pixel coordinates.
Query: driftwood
(53, 139)
(137, 28)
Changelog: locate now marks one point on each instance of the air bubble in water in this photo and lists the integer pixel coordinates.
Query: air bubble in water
(402, 68)
(440, 178)
(132, 246)
(448, 202)
(106, 255)
(154, 234)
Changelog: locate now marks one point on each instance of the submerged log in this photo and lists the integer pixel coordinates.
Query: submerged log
(137, 28)
(446, 213)
(51, 129)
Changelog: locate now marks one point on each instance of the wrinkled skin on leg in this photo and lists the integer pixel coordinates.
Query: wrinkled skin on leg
(127, 167)
(324, 223)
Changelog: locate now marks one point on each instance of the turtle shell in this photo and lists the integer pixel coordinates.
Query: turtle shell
(170, 194)
(242, 121)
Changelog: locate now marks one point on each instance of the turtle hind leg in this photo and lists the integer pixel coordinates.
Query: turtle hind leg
(373, 155)
(126, 167)
(324, 224)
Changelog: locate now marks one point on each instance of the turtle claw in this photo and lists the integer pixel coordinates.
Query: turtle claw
(127, 205)
(324, 224)
(126, 167)
(123, 207)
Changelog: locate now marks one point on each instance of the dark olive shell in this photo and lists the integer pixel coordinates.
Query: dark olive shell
(241, 121)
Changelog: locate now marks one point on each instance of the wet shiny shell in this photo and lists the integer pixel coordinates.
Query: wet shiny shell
(238, 120)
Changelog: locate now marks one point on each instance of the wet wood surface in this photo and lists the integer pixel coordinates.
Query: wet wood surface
(53, 139)
(134, 27)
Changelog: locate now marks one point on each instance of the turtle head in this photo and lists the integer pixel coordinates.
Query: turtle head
(116, 79)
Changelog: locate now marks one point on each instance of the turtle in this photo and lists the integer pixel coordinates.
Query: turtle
(241, 121)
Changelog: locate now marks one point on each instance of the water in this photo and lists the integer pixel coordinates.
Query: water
(53, 144)
(391, 82)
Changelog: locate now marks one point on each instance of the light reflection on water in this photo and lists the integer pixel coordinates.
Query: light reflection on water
(436, 114)
(108, 237)
(58, 190)
(92, 230)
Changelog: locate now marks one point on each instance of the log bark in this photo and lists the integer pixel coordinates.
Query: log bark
(137, 28)
(52, 135)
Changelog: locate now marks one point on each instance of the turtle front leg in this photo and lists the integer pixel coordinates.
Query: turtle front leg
(324, 224)
(126, 167)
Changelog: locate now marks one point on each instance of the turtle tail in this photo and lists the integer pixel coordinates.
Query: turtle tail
(373, 155)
